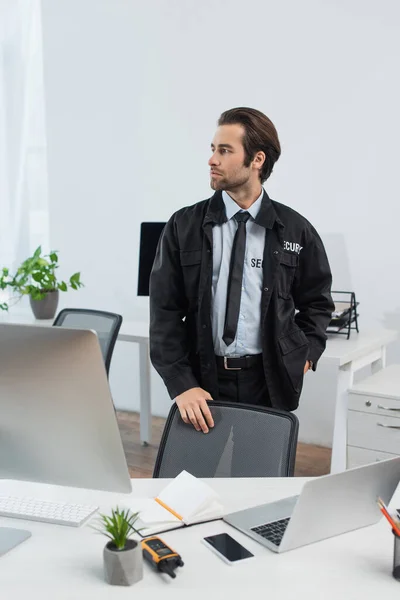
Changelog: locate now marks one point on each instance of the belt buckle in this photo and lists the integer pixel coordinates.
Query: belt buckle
(230, 368)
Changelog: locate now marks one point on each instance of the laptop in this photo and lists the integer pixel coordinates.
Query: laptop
(327, 506)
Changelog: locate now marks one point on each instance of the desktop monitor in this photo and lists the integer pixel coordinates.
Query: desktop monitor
(149, 235)
(57, 418)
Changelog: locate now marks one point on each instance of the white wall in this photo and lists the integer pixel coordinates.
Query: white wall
(133, 92)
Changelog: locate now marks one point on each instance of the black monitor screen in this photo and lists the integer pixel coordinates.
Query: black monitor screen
(149, 236)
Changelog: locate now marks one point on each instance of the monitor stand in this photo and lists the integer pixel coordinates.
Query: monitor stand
(10, 537)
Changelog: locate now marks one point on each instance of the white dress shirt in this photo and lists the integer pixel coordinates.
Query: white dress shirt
(248, 333)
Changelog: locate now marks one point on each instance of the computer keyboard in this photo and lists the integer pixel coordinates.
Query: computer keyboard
(273, 532)
(60, 513)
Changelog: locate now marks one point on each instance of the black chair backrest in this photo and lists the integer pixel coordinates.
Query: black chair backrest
(246, 441)
(105, 324)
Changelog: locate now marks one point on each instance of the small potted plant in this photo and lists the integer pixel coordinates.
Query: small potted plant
(123, 559)
(36, 277)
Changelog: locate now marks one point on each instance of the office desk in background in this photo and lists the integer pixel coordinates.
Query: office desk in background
(342, 357)
(349, 356)
(325, 398)
(60, 562)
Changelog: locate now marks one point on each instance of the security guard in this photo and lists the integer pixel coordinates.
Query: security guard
(229, 275)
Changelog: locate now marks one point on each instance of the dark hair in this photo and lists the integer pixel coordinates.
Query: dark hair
(259, 134)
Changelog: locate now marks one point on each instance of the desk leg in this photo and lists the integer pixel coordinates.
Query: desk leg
(145, 395)
(379, 364)
(339, 443)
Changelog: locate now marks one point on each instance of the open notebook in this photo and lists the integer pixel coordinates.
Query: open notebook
(185, 501)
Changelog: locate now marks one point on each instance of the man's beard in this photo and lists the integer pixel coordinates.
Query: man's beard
(217, 184)
(225, 184)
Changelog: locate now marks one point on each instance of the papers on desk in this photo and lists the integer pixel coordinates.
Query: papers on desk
(185, 501)
(341, 309)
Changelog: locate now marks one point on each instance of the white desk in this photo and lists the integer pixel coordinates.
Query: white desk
(59, 563)
(138, 332)
(345, 356)
(348, 357)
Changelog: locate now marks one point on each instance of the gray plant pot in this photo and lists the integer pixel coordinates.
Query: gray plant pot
(123, 567)
(46, 307)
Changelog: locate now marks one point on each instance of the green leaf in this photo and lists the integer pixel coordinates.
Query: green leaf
(42, 262)
(75, 281)
(37, 252)
(118, 526)
(75, 278)
(62, 286)
(53, 257)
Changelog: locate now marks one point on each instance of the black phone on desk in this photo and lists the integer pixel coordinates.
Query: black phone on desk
(227, 548)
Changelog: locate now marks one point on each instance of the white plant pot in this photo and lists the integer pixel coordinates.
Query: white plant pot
(123, 567)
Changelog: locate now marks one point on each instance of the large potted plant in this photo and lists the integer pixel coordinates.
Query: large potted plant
(122, 556)
(36, 277)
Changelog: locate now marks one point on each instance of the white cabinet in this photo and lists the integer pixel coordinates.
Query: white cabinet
(356, 457)
(373, 420)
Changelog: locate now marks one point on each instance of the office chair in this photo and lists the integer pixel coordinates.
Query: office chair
(246, 441)
(105, 324)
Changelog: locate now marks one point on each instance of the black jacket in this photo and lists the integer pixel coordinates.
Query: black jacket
(296, 275)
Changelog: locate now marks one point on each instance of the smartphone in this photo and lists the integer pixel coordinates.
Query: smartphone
(227, 548)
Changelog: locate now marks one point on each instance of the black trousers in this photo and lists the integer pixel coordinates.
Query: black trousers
(246, 386)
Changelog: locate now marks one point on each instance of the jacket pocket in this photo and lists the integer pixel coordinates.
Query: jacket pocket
(285, 310)
(284, 295)
(294, 351)
(191, 265)
(287, 271)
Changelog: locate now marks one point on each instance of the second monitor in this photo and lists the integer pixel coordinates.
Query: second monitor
(149, 235)
(57, 418)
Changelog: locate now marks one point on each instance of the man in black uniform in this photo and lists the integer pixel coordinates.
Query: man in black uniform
(229, 275)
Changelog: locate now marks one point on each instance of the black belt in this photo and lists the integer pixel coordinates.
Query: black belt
(237, 364)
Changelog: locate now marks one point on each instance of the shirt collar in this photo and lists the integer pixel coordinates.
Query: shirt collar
(231, 208)
(216, 214)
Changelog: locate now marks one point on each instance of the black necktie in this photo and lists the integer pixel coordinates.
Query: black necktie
(235, 279)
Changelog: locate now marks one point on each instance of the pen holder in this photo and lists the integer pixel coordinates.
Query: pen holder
(396, 556)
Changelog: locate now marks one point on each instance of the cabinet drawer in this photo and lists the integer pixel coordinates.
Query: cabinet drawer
(374, 405)
(356, 457)
(374, 432)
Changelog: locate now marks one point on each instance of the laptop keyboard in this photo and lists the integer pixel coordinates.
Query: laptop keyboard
(273, 532)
